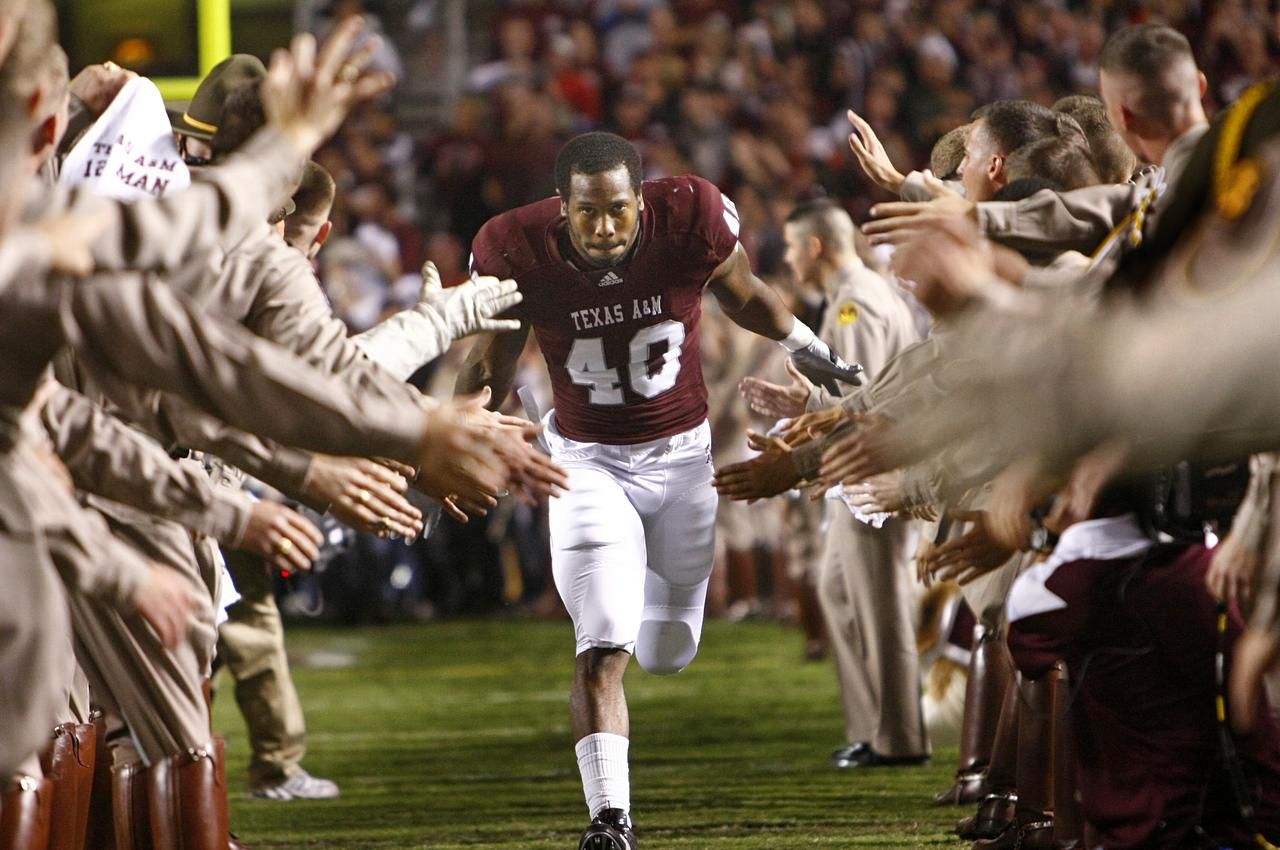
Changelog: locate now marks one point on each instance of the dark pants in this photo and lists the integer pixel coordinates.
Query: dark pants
(1139, 637)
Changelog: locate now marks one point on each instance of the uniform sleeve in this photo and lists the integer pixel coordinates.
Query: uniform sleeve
(110, 459)
(228, 372)
(1051, 221)
(715, 220)
(290, 310)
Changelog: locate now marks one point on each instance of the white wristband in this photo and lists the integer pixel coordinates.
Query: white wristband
(800, 337)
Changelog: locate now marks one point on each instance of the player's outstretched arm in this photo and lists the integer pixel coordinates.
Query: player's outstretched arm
(752, 304)
(492, 363)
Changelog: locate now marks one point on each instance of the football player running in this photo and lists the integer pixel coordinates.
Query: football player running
(612, 272)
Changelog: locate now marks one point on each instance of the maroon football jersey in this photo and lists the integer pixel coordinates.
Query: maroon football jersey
(621, 343)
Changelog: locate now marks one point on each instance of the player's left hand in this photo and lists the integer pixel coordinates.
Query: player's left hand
(969, 556)
(897, 221)
(775, 400)
(768, 474)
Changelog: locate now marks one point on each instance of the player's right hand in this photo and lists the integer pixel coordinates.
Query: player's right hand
(534, 475)
(166, 601)
(459, 458)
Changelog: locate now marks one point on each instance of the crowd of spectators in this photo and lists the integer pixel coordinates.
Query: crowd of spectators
(751, 94)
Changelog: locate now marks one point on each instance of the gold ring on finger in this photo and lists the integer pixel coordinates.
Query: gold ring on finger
(285, 546)
(363, 497)
(349, 74)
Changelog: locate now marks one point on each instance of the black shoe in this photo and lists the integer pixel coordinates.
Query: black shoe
(609, 830)
(861, 755)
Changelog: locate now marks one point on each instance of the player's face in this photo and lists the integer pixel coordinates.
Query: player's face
(603, 211)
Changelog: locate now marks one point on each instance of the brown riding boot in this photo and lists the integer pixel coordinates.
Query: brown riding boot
(99, 832)
(68, 763)
(220, 754)
(130, 807)
(25, 808)
(990, 671)
(1068, 820)
(1033, 823)
(996, 810)
(188, 804)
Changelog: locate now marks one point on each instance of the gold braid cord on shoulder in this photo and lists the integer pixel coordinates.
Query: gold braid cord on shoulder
(1236, 181)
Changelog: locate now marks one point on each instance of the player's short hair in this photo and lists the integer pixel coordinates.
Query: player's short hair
(1145, 51)
(825, 219)
(1064, 161)
(242, 116)
(1113, 158)
(594, 153)
(1013, 124)
(948, 153)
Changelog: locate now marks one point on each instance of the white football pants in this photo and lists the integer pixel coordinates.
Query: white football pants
(632, 544)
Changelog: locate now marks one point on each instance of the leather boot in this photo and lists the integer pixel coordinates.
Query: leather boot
(1031, 835)
(990, 670)
(131, 808)
(996, 814)
(68, 763)
(188, 805)
(1068, 820)
(1035, 748)
(25, 807)
(996, 811)
(220, 754)
(99, 833)
(1032, 828)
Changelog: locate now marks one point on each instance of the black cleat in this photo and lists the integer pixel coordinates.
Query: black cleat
(609, 830)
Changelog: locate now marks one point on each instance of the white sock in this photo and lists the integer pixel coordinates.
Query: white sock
(606, 782)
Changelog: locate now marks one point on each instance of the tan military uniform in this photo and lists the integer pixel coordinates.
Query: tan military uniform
(866, 575)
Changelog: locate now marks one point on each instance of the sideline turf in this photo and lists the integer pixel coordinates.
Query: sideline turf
(455, 735)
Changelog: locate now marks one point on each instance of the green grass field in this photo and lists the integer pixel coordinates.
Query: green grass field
(455, 735)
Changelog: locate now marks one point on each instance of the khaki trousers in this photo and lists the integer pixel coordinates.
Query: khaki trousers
(865, 589)
(156, 694)
(251, 644)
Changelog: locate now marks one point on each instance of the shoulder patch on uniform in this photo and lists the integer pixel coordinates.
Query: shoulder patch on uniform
(848, 313)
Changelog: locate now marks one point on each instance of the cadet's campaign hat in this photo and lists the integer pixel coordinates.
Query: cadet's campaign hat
(200, 116)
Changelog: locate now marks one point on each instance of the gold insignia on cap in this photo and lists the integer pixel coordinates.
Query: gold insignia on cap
(848, 313)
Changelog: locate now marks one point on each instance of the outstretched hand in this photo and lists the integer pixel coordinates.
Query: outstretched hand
(872, 156)
(768, 474)
(775, 400)
(307, 93)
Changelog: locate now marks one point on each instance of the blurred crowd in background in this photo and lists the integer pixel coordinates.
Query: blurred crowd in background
(749, 94)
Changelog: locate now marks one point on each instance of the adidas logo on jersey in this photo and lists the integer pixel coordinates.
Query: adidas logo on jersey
(609, 279)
